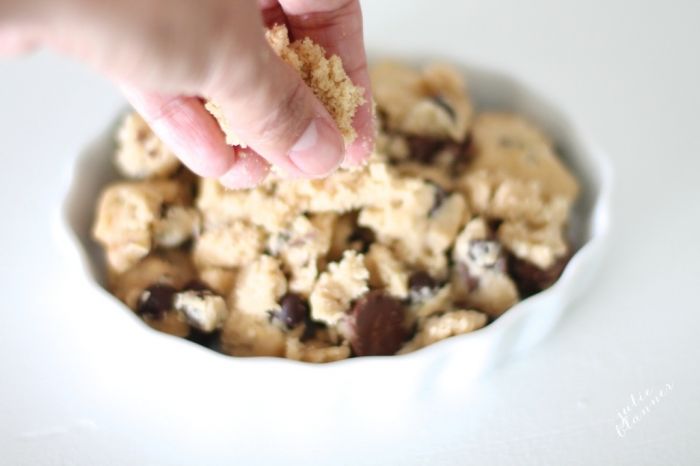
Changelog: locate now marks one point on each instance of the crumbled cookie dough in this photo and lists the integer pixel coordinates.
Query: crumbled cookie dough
(315, 351)
(508, 144)
(245, 334)
(455, 218)
(302, 247)
(324, 75)
(386, 271)
(173, 268)
(140, 154)
(430, 102)
(202, 309)
(176, 225)
(234, 244)
(259, 287)
(447, 325)
(132, 217)
(336, 288)
(218, 279)
(480, 277)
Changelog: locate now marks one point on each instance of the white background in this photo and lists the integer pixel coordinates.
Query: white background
(628, 72)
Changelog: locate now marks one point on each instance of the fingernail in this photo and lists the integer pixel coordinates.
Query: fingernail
(319, 150)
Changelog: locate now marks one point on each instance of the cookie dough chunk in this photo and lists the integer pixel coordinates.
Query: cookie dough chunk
(540, 246)
(431, 102)
(264, 206)
(175, 225)
(259, 287)
(386, 271)
(419, 226)
(132, 217)
(219, 279)
(315, 351)
(230, 245)
(497, 196)
(509, 144)
(245, 334)
(447, 325)
(301, 248)
(480, 277)
(202, 309)
(172, 268)
(150, 287)
(140, 153)
(336, 288)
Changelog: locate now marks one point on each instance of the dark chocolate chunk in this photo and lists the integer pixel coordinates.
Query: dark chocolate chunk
(310, 328)
(421, 280)
(422, 286)
(531, 279)
(155, 301)
(423, 148)
(209, 340)
(294, 310)
(379, 325)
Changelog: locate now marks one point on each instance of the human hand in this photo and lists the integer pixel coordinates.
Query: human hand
(168, 54)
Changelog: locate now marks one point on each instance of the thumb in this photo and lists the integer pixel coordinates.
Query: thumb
(274, 112)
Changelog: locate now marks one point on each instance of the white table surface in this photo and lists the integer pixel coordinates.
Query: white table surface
(627, 72)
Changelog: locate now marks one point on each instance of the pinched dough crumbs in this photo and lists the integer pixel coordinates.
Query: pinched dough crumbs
(324, 75)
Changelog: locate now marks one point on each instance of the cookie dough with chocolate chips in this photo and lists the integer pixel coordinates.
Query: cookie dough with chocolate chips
(457, 216)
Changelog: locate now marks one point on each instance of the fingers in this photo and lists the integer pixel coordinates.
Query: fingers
(186, 128)
(248, 171)
(277, 115)
(272, 13)
(337, 26)
(195, 137)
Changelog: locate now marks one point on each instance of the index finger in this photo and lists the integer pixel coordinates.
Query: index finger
(336, 25)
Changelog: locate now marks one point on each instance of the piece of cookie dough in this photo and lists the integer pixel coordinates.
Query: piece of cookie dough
(456, 217)
(140, 154)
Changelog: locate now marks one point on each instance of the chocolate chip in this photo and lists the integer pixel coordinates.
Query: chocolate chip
(310, 329)
(422, 286)
(531, 279)
(209, 340)
(155, 301)
(442, 103)
(361, 239)
(293, 310)
(379, 321)
(424, 149)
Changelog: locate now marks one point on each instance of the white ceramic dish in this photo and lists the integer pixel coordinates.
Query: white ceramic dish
(452, 361)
